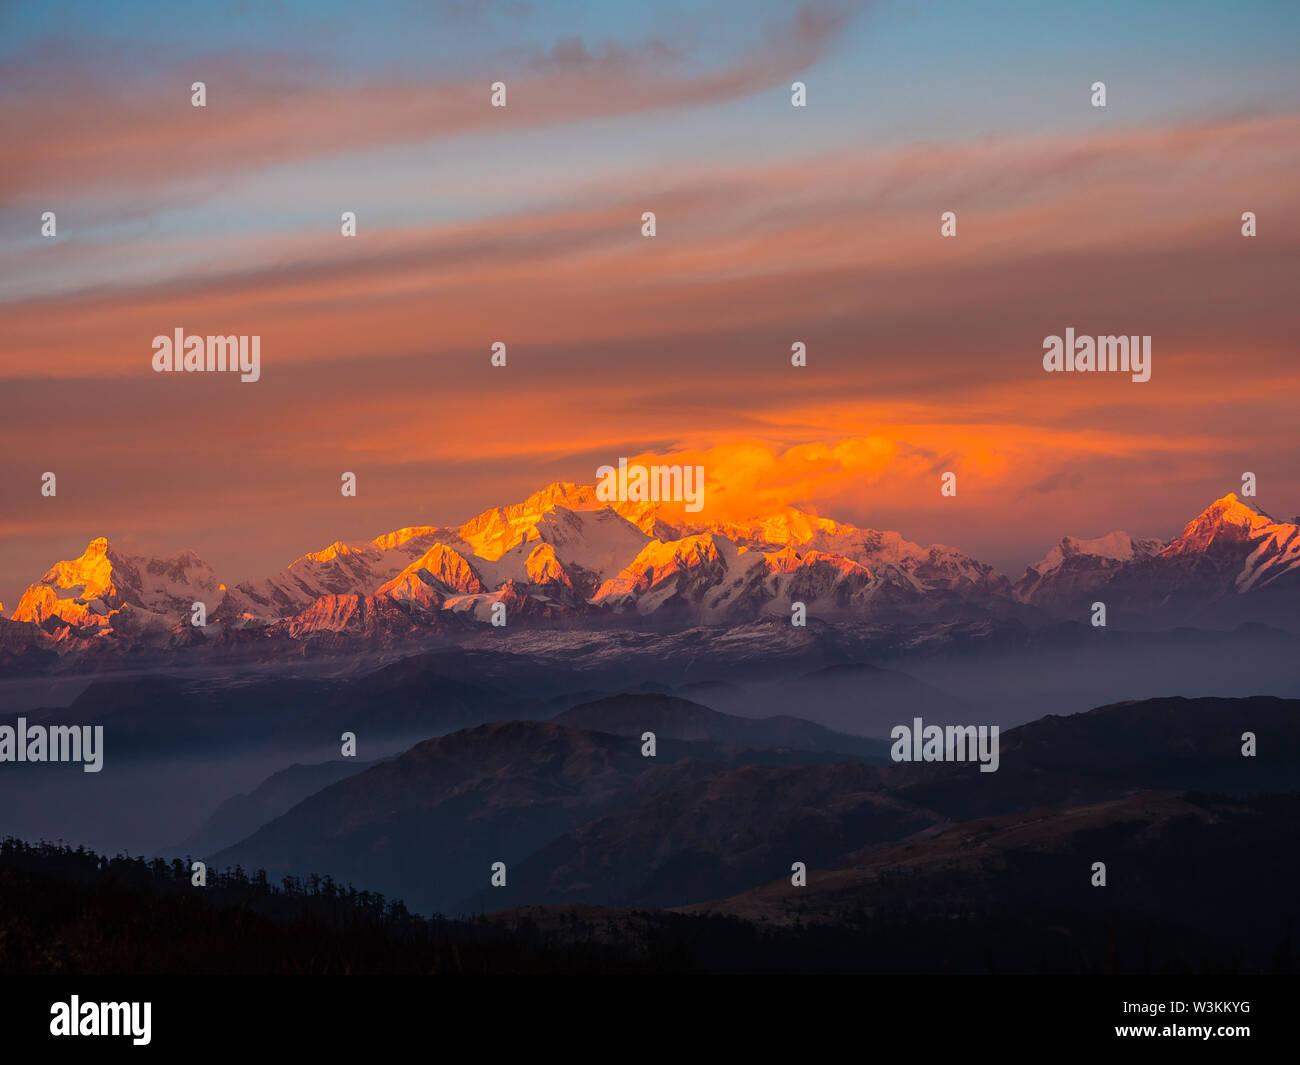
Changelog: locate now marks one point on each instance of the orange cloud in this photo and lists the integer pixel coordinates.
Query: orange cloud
(923, 353)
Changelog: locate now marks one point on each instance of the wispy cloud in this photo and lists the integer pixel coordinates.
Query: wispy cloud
(73, 127)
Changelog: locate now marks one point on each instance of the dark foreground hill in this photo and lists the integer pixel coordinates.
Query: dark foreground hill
(912, 867)
(1209, 889)
(75, 912)
(1174, 857)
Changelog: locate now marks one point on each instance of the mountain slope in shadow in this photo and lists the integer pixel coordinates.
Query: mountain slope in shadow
(578, 814)
(1210, 862)
(681, 719)
(709, 837)
(428, 825)
(241, 815)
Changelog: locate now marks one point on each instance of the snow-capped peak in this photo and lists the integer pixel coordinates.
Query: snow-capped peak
(1230, 525)
(1117, 546)
(88, 590)
(564, 552)
(1227, 519)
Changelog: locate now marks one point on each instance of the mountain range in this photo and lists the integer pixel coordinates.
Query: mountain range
(580, 816)
(428, 822)
(563, 559)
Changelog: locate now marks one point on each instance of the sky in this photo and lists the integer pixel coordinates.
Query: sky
(522, 224)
